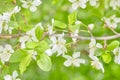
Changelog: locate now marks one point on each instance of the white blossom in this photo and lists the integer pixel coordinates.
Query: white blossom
(93, 45)
(16, 10)
(33, 53)
(30, 36)
(50, 28)
(58, 45)
(95, 61)
(116, 52)
(5, 53)
(96, 64)
(78, 3)
(31, 4)
(115, 4)
(5, 19)
(78, 22)
(12, 77)
(73, 60)
(49, 52)
(74, 34)
(93, 2)
(112, 21)
(91, 26)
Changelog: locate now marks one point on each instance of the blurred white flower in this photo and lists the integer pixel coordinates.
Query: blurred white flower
(93, 45)
(78, 3)
(73, 60)
(112, 21)
(33, 53)
(32, 4)
(5, 53)
(116, 52)
(30, 36)
(5, 19)
(12, 77)
(115, 4)
(91, 26)
(50, 28)
(78, 22)
(58, 45)
(16, 10)
(93, 2)
(74, 34)
(49, 52)
(96, 64)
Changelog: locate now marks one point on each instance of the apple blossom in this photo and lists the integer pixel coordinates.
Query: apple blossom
(78, 3)
(116, 52)
(73, 60)
(5, 53)
(115, 4)
(96, 64)
(12, 77)
(112, 21)
(32, 4)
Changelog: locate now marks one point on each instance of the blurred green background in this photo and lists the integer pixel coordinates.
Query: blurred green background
(59, 10)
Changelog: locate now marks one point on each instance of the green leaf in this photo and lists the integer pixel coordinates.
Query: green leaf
(106, 57)
(13, 24)
(42, 46)
(39, 32)
(98, 52)
(17, 56)
(25, 63)
(31, 45)
(74, 27)
(113, 45)
(59, 24)
(44, 62)
(72, 17)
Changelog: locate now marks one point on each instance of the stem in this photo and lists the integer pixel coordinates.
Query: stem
(89, 38)
(9, 36)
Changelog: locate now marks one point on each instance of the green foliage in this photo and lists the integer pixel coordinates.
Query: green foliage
(39, 32)
(18, 55)
(64, 22)
(59, 24)
(72, 18)
(42, 46)
(31, 45)
(24, 63)
(106, 57)
(44, 62)
(113, 45)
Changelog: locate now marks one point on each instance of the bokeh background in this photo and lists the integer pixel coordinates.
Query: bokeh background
(59, 10)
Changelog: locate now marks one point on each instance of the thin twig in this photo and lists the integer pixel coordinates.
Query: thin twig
(9, 36)
(89, 38)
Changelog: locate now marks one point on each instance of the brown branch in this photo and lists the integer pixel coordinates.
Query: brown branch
(9, 36)
(89, 38)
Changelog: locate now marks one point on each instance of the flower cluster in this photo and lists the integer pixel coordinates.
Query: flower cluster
(30, 36)
(112, 21)
(5, 19)
(5, 53)
(32, 4)
(95, 61)
(12, 77)
(115, 4)
(82, 3)
(74, 60)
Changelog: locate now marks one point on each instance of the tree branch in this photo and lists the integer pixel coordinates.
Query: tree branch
(9, 36)
(89, 38)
